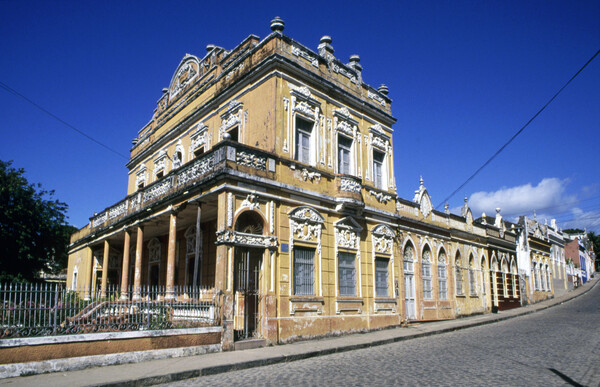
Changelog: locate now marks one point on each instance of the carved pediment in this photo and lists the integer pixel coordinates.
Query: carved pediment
(306, 214)
(347, 233)
(383, 237)
(186, 74)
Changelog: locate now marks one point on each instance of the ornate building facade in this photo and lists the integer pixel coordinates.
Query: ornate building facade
(266, 174)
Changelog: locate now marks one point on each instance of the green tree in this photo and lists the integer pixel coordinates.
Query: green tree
(34, 234)
(595, 239)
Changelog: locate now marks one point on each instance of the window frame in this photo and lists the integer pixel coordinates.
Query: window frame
(426, 275)
(442, 277)
(458, 285)
(382, 287)
(347, 150)
(307, 282)
(379, 180)
(346, 274)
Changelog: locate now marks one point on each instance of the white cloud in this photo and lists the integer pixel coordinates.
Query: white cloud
(584, 220)
(547, 197)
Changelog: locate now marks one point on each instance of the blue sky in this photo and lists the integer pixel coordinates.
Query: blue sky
(464, 76)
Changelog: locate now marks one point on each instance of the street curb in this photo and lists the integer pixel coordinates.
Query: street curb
(183, 375)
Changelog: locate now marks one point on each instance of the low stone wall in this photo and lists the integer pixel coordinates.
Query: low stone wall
(45, 354)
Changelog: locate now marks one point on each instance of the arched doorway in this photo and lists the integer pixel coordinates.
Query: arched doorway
(248, 279)
(409, 282)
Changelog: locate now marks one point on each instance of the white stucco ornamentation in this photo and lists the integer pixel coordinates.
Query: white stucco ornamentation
(251, 202)
(197, 169)
(187, 73)
(158, 190)
(249, 159)
(304, 108)
(244, 239)
(198, 137)
(383, 239)
(347, 233)
(303, 54)
(141, 176)
(349, 185)
(312, 176)
(380, 196)
(376, 97)
(231, 118)
(423, 199)
(229, 209)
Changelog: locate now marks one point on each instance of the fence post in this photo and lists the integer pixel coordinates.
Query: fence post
(55, 309)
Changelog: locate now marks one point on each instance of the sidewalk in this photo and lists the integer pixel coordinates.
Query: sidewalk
(172, 369)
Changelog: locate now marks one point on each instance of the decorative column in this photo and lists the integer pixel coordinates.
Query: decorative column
(137, 277)
(198, 249)
(125, 269)
(171, 256)
(223, 267)
(104, 269)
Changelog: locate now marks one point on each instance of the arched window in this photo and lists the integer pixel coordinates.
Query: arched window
(472, 279)
(505, 277)
(538, 278)
(548, 279)
(426, 266)
(534, 275)
(409, 254)
(249, 222)
(442, 282)
(458, 276)
(514, 272)
(482, 277)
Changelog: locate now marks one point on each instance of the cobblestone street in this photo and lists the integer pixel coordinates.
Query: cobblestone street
(557, 346)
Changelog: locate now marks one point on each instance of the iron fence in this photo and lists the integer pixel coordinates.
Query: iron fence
(30, 310)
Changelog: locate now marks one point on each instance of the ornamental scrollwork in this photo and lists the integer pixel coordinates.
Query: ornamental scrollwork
(380, 196)
(194, 171)
(244, 239)
(158, 190)
(349, 185)
(347, 233)
(251, 160)
(303, 54)
(345, 127)
(305, 109)
(376, 98)
(383, 238)
(251, 202)
(312, 176)
(117, 210)
(346, 238)
(99, 220)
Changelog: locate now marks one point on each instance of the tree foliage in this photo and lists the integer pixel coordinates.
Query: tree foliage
(573, 231)
(34, 234)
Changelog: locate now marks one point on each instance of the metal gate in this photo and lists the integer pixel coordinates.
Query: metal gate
(247, 316)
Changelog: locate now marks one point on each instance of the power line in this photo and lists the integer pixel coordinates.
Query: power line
(517, 133)
(16, 93)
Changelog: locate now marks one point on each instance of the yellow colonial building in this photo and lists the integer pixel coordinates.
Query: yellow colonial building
(266, 175)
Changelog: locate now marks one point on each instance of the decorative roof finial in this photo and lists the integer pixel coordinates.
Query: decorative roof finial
(421, 181)
(447, 208)
(277, 24)
(383, 89)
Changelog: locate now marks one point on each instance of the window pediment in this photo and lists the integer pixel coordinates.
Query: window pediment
(198, 136)
(186, 74)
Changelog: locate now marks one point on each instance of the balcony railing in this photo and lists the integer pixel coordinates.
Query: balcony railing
(182, 178)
